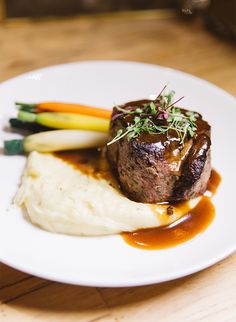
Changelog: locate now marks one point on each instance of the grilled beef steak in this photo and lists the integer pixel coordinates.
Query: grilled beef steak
(155, 167)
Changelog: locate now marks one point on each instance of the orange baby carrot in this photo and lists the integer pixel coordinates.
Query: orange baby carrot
(73, 108)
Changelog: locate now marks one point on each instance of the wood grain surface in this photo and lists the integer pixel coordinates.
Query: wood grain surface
(153, 38)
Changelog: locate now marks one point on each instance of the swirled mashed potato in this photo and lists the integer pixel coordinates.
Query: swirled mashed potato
(62, 199)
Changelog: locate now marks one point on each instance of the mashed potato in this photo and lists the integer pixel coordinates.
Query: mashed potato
(62, 199)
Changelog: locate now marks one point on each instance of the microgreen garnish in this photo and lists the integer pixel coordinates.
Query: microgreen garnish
(157, 117)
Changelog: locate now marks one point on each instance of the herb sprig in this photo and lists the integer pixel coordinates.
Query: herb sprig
(157, 117)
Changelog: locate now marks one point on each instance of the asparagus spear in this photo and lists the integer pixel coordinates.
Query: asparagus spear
(57, 140)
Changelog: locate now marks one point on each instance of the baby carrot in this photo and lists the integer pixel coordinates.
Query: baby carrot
(68, 108)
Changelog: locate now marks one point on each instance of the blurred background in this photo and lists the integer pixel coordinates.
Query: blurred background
(196, 36)
(219, 15)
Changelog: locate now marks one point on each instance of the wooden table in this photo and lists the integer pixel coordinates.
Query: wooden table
(159, 38)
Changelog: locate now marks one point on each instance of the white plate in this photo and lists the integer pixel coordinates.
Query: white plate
(109, 261)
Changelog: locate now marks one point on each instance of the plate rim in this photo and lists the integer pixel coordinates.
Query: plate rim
(140, 282)
(127, 62)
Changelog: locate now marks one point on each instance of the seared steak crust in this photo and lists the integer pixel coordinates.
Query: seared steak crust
(155, 167)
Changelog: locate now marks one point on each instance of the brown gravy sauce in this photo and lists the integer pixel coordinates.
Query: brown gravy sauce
(191, 224)
(93, 162)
